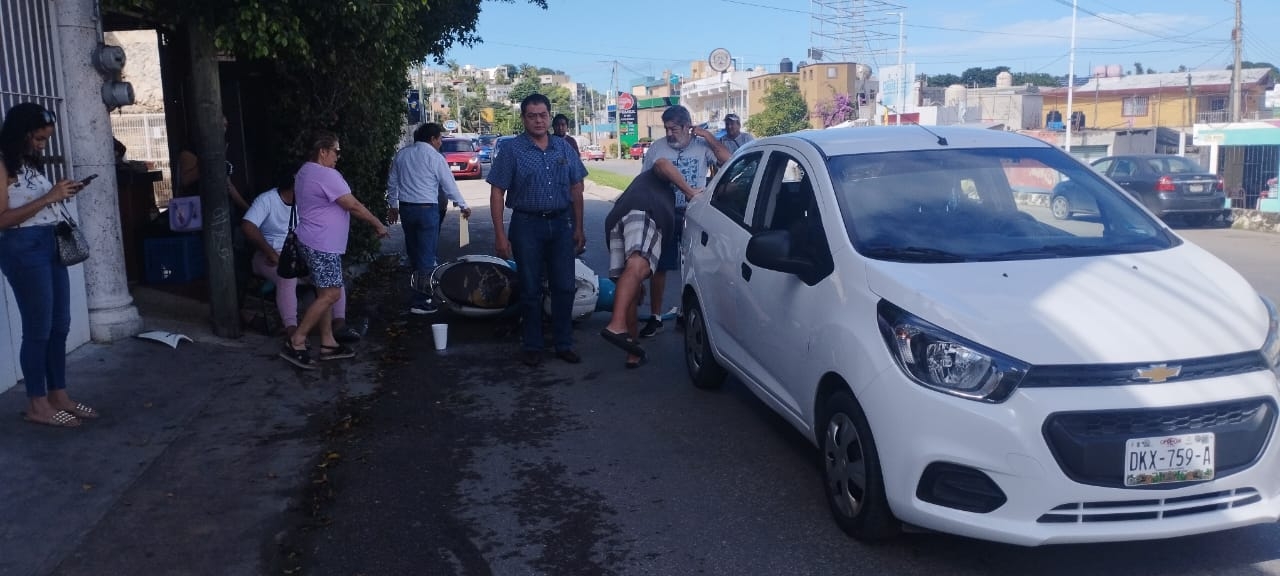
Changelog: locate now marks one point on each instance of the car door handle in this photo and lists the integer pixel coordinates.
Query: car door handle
(704, 238)
(746, 272)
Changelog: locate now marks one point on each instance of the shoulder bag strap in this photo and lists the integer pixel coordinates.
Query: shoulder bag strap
(293, 215)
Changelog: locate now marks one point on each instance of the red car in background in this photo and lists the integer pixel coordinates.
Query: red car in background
(592, 152)
(638, 149)
(462, 156)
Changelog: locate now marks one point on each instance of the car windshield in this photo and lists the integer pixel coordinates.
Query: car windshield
(487, 140)
(963, 205)
(457, 146)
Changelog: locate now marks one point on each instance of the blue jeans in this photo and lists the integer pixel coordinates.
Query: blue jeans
(544, 245)
(29, 260)
(421, 224)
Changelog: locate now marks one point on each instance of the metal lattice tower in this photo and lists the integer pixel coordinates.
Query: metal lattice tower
(851, 30)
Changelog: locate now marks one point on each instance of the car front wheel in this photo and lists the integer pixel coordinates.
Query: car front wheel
(851, 472)
(1061, 207)
(703, 368)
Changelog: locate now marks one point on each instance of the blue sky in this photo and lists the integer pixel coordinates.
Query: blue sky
(584, 37)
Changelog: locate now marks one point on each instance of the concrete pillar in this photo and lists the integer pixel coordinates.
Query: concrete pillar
(112, 315)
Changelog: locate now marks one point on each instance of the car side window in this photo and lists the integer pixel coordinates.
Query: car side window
(1123, 168)
(787, 202)
(1103, 166)
(733, 191)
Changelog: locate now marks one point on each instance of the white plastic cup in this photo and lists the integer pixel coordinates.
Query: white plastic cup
(440, 334)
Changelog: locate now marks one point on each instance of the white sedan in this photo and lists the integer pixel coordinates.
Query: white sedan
(969, 364)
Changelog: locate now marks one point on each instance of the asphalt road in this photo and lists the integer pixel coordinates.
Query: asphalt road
(470, 463)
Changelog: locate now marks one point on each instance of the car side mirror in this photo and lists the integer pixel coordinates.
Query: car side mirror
(771, 250)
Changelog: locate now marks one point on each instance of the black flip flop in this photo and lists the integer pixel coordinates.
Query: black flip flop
(622, 341)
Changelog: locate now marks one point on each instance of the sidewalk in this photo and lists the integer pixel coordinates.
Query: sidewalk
(199, 454)
(192, 464)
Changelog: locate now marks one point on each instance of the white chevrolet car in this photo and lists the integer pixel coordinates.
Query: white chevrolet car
(967, 363)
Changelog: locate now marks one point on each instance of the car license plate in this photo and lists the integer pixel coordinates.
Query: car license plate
(1163, 459)
(1196, 187)
(454, 168)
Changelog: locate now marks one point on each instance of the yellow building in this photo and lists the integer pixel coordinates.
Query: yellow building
(1176, 99)
(820, 82)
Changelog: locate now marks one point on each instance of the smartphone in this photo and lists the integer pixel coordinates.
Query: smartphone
(88, 179)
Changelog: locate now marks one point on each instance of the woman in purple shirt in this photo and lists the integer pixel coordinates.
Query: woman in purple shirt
(325, 205)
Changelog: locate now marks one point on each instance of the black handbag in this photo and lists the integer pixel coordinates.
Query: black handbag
(292, 264)
(72, 247)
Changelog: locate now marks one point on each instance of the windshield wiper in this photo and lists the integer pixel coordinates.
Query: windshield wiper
(913, 254)
(1068, 251)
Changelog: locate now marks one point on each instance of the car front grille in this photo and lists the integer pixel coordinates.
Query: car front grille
(1084, 375)
(1090, 446)
(1153, 509)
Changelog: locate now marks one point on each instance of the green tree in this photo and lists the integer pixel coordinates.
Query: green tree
(981, 77)
(331, 65)
(944, 80)
(784, 110)
(526, 86)
(1035, 79)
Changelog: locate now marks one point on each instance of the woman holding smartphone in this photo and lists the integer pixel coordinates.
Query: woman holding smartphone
(29, 261)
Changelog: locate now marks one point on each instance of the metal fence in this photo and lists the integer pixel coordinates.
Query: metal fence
(28, 69)
(147, 139)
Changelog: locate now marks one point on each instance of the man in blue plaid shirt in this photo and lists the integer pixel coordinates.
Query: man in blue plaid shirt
(540, 179)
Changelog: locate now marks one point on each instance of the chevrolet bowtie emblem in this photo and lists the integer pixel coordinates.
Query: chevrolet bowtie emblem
(1157, 373)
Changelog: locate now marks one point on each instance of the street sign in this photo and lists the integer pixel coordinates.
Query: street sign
(720, 60)
(451, 125)
(626, 101)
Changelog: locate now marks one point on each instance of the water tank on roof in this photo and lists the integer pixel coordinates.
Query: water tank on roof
(1004, 80)
(1115, 71)
(1099, 71)
(785, 66)
(955, 95)
(862, 71)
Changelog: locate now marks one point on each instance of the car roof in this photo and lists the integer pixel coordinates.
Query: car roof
(874, 139)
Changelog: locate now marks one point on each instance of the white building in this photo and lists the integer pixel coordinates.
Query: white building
(498, 93)
(711, 98)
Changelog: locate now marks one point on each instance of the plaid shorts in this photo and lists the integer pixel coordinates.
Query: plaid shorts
(635, 233)
(326, 267)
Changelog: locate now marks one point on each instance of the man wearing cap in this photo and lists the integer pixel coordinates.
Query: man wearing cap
(734, 137)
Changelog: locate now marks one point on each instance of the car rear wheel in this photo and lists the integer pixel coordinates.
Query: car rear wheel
(851, 472)
(1061, 207)
(703, 368)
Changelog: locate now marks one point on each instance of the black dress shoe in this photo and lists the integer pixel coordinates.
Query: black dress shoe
(530, 358)
(569, 356)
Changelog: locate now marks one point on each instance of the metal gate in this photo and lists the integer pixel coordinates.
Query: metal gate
(30, 71)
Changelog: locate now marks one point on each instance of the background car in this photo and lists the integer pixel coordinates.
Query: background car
(497, 145)
(592, 152)
(462, 156)
(639, 149)
(966, 363)
(1168, 186)
(484, 147)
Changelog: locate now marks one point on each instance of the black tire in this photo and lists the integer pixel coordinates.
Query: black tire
(704, 371)
(847, 449)
(1060, 206)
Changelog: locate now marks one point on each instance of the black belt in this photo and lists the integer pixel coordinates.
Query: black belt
(547, 214)
(417, 204)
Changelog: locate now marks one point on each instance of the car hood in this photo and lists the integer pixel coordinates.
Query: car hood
(1173, 304)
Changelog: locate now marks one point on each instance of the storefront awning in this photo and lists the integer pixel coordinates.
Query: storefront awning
(1251, 133)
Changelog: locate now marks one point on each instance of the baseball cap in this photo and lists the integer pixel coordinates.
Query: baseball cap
(732, 118)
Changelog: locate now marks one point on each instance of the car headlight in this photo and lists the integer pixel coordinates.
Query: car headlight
(474, 159)
(942, 361)
(1271, 348)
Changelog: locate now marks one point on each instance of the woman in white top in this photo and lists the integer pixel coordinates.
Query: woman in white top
(29, 260)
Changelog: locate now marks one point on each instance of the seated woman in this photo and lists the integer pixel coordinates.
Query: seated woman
(266, 225)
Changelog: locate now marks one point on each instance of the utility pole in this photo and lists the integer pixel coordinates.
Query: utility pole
(1071, 76)
(1191, 118)
(899, 96)
(617, 114)
(1237, 37)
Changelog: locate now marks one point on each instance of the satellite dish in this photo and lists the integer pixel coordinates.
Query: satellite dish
(720, 60)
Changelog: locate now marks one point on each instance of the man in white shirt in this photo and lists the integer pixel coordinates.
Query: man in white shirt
(690, 153)
(734, 137)
(418, 174)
